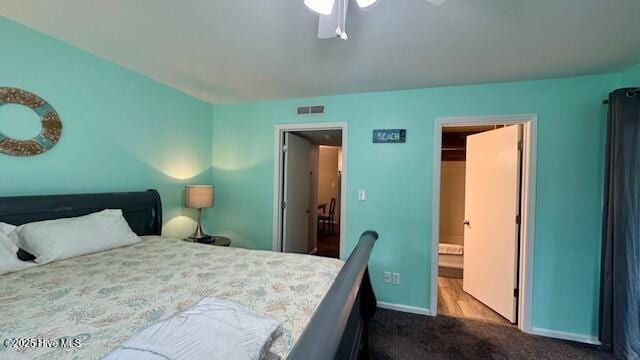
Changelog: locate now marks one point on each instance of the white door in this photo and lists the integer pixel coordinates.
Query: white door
(492, 203)
(297, 175)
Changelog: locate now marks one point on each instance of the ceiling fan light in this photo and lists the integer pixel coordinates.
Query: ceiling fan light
(324, 7)
(365, 3)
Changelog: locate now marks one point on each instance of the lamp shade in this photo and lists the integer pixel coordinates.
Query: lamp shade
(199, 196)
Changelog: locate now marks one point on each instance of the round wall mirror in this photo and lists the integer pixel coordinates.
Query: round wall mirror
(51, 126)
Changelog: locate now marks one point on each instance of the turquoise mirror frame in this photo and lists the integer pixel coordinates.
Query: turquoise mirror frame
(51, 124)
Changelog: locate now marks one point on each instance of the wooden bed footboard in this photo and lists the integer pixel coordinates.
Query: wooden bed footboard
(339, 329)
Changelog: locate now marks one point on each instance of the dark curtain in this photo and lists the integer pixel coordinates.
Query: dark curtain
(620, 277)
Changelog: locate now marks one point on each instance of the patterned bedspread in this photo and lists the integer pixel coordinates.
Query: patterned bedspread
(104, 298)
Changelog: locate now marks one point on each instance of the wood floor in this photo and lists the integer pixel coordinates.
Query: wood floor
(454, 302)
(328, 244)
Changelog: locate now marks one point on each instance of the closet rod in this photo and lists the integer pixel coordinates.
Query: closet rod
(630, 93)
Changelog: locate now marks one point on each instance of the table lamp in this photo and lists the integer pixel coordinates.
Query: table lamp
(199, 197)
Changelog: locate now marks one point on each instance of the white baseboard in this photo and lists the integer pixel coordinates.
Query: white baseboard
(404, 308)
(588, 339)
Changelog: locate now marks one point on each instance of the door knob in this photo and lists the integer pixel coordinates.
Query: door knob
(466, 222)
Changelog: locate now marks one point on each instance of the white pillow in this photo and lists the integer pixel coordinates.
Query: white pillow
(6, 229)
(64, 238)
(8, 259)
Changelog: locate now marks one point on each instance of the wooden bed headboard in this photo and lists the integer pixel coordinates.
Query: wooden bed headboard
(142, 210)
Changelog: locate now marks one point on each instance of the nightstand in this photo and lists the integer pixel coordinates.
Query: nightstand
(214, 240)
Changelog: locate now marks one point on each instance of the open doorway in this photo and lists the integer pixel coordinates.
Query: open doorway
(310, 180)
(483, 215)
(329, 198)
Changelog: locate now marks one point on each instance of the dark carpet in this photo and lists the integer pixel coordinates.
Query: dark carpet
(397, 335)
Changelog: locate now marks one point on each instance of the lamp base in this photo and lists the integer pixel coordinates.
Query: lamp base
(199, 235)
(203, 239)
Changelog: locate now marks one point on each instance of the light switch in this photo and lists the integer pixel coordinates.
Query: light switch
(395, 278)
(362, 195)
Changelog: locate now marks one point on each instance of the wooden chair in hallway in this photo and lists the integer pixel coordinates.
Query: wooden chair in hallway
(328, 219)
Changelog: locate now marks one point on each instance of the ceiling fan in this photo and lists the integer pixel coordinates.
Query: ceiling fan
(333, 15)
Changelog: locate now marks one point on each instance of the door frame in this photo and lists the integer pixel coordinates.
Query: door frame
(280, 129)
(527, 228)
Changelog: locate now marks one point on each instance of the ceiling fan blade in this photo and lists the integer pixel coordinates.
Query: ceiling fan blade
(320, 6)
(365, 3)
(436, 2)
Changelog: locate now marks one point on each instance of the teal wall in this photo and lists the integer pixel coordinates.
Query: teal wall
(630, 77)
(121, 131)
(398, 179)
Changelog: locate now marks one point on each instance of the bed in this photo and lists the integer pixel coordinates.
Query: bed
(102, 299)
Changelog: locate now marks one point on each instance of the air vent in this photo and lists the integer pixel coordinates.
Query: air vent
(317, 109)
(304, 110)
(311, 110)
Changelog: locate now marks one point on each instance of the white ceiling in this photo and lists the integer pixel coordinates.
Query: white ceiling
(241, 50)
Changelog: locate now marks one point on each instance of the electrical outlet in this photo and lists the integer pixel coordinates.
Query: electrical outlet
(387, 277)
(396, 278)
(362, 195)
